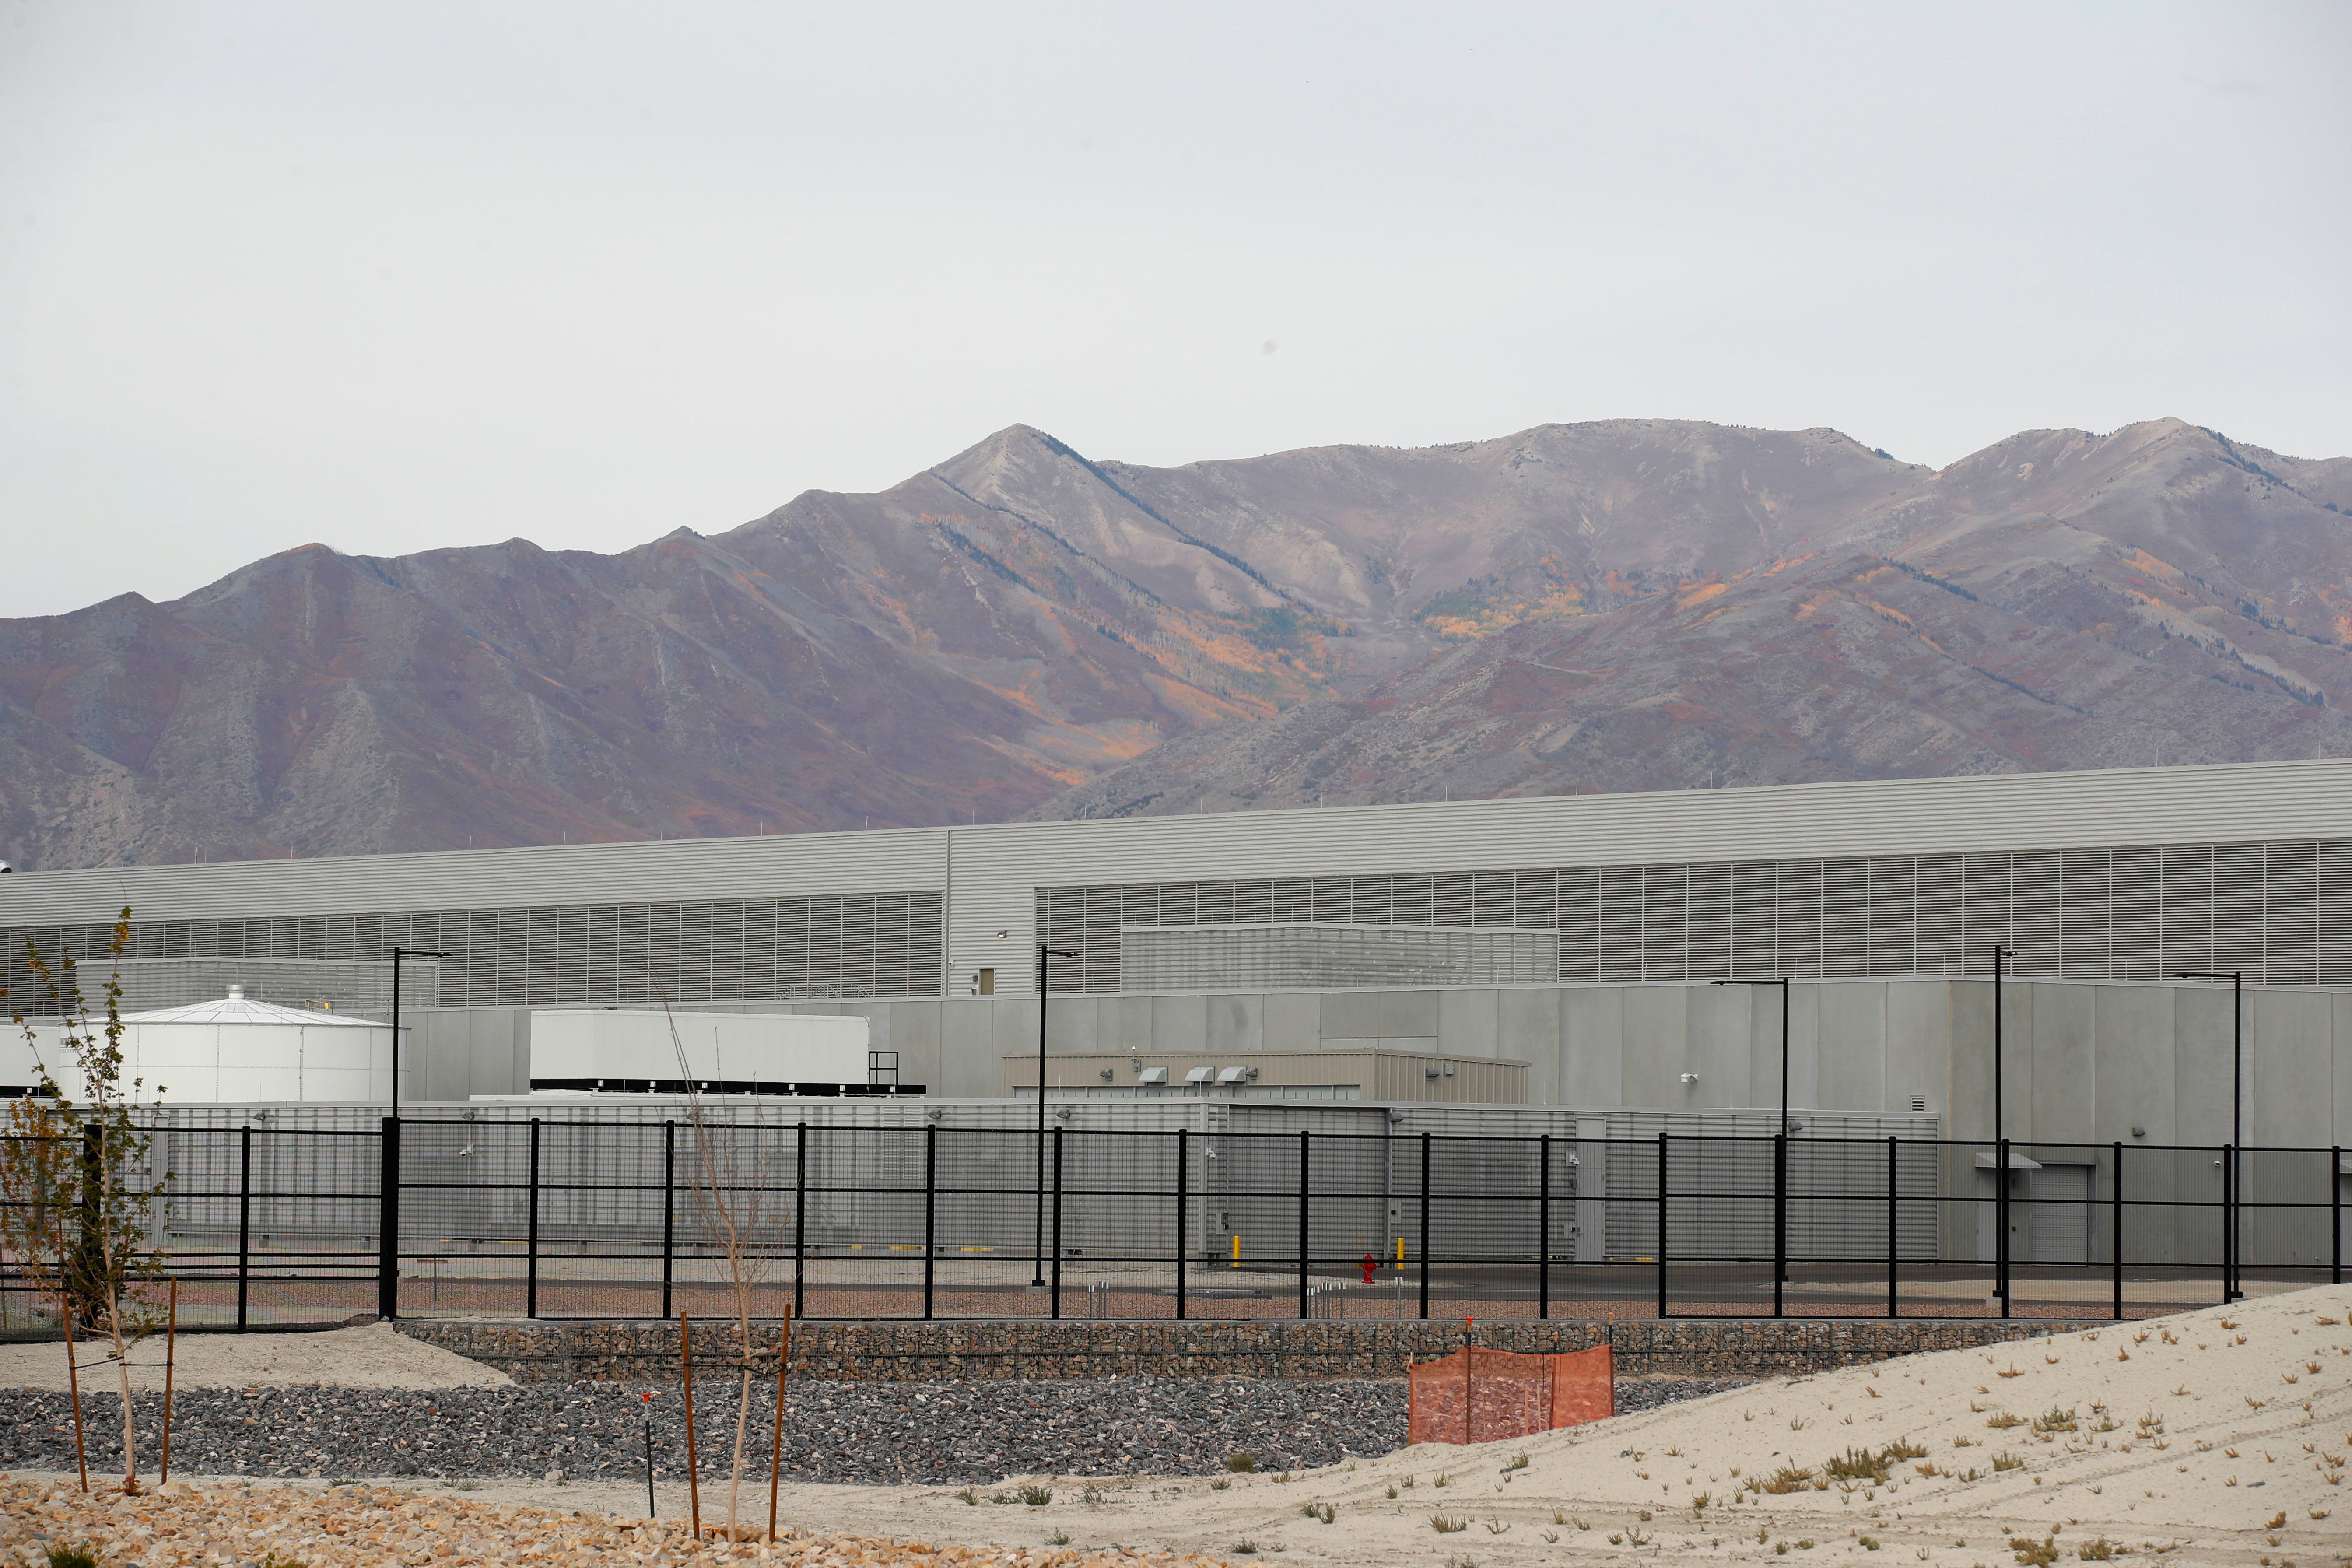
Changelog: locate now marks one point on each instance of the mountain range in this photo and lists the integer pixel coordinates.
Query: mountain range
(1022, 630)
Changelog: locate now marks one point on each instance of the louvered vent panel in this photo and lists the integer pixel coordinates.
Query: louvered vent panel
(1537, 901)
(2291, 914)
(826, 978)
(891, 948)
(1451, 901)
(727, 950)
(600, 976)
(1100, 971)
(339, 938)
(281, 938)
(1800, 887)
(541, 982)
(1411, 899)
(1215, 904)
(1333, 899)
(2188, 907)
(1579, 925)
(794, 975)
(1755, 920)
(312, 937)
(1894, 934)
(859, 921)
(636, 970)
(759, 950)
(2238, 904)
(1253, 902)
(1986, 884)
(2084, 938)
(2136, 914)
(1495, 898)
(1180, 904)
(1372, 900)
(2037, 912)
(1666, 921)
(1138, 904)
(1708, 953)
(1845, 918)
(1939, 909)
(2335, 940)
(176, 939)
(1294, 900)
(1621, 922)
(926, 953)
(572, 957)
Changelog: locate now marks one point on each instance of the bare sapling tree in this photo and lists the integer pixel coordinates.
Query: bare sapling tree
(733, 1186)
(79, 1199)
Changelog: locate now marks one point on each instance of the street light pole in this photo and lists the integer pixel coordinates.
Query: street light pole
(397, 955)
(2237, 978)
(1999, 1142)
(1038, 1257)
(1779, 1150)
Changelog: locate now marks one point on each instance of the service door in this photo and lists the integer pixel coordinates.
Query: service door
(2060, 1226)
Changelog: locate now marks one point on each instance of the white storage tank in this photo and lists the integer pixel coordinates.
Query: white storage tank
(235, 1051)
(600, 1049)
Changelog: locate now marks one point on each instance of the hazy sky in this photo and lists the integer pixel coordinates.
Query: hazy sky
(400, 276)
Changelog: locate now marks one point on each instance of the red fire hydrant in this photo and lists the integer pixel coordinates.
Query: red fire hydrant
(1369, 1266)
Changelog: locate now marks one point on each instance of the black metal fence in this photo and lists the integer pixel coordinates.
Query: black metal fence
(549, 1218)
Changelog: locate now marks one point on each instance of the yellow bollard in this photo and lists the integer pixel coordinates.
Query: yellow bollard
(1399, 1252)
(1237, 1250)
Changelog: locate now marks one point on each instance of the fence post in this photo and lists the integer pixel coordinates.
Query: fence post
(2116, 1228)
(531, 1274)
(800, 1216)
(1662, 1223)
(2229, 1223)
(1184, 1234)
(1303, 1303)
(1424, 1226)
(669, 1212)
(1543, 1227)
(2001, 1222)
(1057, 1221)
(387, 1222)
(1779, 1219)
(2335, 1202)
(245, 1219)
(1894, 1211)
(930, 1211)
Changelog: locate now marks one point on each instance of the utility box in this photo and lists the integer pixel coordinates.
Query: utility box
(721, 1053)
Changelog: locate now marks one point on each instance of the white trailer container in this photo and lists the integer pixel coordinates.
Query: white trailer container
(605, 1049)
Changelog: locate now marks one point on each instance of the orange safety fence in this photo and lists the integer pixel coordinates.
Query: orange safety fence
(1482, 1396)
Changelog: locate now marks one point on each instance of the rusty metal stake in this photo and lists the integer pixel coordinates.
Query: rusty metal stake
(776, 1458)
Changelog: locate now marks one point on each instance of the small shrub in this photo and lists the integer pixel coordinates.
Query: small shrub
(2002, 1421)
(73, 1557)
(1393, 1492)
(1036, 1496)
(1446, 1525)
(2006, 1462)
(2099, 1550)
(1091, 1496)
(1442, 1480)
(2054, 1420)
(1635, 1538)
(1519, 1461)
(1241, 1461)
(1220, 1484)
(1496, 1527)
(2034, 1553)
(1244, 1548)
(1869, 1542)
(1321, 1510)
(971, 1497)
(1059, 1537)
(1789, 1478)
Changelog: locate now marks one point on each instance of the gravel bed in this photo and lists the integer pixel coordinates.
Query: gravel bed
(856, 1433)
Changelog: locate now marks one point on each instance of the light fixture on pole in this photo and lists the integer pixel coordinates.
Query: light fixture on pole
(397, 955)
(1999, 1143)
(1779, 1150)
(2237, 978)
(1038, 1257)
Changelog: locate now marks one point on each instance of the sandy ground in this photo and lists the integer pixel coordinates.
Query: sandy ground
(375, 1356)
(2218, 1436)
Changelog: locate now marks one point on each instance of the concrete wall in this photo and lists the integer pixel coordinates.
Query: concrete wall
(2082, 1061)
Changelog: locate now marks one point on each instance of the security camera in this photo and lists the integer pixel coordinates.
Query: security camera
(1689, 1078)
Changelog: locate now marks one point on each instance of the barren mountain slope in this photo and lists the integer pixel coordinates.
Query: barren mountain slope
(2059, 600)
(1631, 604)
